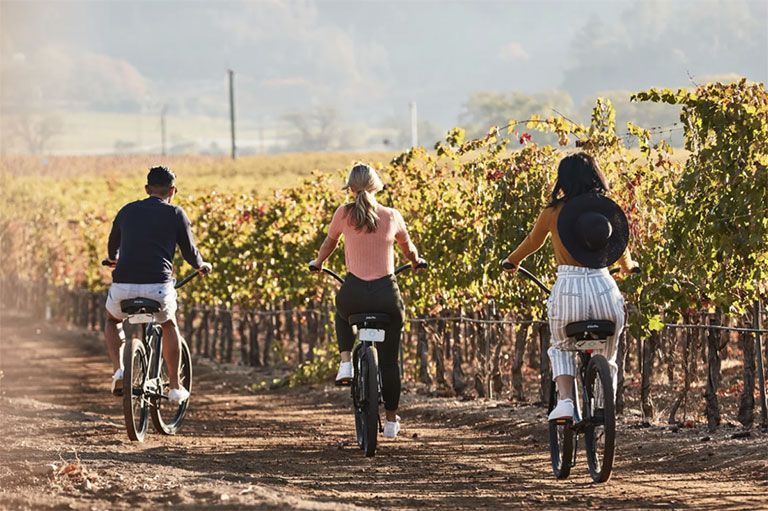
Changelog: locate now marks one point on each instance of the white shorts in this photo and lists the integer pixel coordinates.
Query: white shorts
(163, 293)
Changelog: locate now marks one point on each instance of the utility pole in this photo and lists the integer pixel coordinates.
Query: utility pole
(414, 125)
(162, 129)
(232, 110)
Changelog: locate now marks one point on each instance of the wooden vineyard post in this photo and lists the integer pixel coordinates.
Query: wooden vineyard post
(457, 374)
(520, 336)
(713, 372)
(241, 335)
(620, 372)
(746, 414)
(649, 350)
(544, 369)
(438, 353)
(422, 344)
(757, 323)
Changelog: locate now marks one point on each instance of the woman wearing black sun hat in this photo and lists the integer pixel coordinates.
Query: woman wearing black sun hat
(589, 233)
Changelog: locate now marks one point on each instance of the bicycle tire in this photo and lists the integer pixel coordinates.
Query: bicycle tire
(135, 406)
(370, 403)
(562, 442)
(600, 466)
(355, 390)
(167, 418)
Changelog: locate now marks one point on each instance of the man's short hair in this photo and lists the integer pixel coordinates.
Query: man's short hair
(161, 177)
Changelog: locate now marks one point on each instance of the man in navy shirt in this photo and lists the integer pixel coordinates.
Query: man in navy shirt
(141, 247)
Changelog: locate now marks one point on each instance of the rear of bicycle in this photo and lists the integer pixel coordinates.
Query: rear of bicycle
(145, 376)
(366, 379)
(595, 416)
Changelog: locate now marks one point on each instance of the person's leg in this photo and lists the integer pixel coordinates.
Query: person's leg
(563, 371)
(563, 306)
(389, 368)
(172, 351)
(114, 337)
(345, 337)
(609, 304)
(386, 298)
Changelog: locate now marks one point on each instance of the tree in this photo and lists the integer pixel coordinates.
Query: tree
(34, 132)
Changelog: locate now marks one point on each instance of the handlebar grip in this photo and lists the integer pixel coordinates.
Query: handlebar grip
(507, 265)
(614, 271)
(313, 268)
(422, 265)
(636, 270)
(107, 263)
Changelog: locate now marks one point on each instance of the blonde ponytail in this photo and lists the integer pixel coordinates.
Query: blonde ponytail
(364, 182)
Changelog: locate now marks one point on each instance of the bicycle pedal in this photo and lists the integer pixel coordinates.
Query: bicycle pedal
(562, 422)
(344, 382)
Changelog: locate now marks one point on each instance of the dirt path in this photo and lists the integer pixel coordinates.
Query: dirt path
(294, 448)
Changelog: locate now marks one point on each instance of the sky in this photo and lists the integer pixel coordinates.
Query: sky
(366, 59)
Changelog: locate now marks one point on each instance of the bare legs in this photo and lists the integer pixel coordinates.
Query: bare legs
(564, 384)
(171, 351)
(114, 337)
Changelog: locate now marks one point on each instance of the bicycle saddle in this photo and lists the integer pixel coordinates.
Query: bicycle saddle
(140, 306)
(369, 319)
(590, 330)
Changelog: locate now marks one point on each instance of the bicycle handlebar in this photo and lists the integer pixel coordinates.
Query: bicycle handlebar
(509, 266)
(336, 276)
(186, 279)
(109, 264)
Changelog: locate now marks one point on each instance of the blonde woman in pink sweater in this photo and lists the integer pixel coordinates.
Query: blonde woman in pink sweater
(370, 232)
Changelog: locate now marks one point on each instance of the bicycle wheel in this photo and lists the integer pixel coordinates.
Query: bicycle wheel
(167, 417)
(134, 402)
(600, 418)
(367, 411)
(562, 441)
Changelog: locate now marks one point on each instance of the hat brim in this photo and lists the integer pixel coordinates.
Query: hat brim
(566, 229)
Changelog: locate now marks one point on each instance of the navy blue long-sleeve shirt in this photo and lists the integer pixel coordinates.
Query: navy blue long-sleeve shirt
(144, 238)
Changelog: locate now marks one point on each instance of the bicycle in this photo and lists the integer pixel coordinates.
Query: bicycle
(598, 422)
(366, 379)
(145, 376)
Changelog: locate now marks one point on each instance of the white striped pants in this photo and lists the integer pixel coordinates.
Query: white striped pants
(580, 294)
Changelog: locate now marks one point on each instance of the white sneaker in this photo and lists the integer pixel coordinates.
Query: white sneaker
(117, 383)
(178, 396)
(563, 410)
(344, 376)
(391, 429)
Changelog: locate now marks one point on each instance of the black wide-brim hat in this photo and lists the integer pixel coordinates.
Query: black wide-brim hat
(593, 229)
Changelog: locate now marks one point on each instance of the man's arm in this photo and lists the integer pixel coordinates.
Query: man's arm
(113, 244)
(186, 240)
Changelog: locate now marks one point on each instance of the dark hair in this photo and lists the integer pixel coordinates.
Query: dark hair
(160, 180)
(577, 174)
(161, 176)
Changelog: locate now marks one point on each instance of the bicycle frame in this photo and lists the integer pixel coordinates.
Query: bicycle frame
(152, 385)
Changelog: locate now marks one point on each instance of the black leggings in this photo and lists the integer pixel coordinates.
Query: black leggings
(380, 295)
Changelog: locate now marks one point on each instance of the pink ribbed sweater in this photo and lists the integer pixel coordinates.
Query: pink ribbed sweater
(370, 255)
